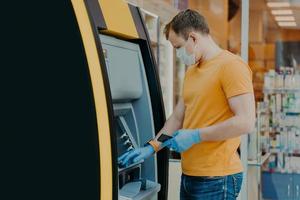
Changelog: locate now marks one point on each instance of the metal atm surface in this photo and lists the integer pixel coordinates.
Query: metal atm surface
(133, 116)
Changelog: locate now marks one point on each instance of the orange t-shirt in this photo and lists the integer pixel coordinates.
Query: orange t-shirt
(207, 87)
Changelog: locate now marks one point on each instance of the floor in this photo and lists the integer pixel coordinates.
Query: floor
(174, 179)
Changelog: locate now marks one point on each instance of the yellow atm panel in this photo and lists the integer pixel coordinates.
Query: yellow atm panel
(80, 88)
(112, 10)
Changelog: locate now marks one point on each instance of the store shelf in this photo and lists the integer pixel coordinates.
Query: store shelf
(292, 113)
(278, 126)
(263, 159)
(281, 91)
(275, 151)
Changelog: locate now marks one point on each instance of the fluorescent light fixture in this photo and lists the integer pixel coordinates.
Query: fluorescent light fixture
(285, 18)
(287, 24)
(278, 4)
(282, 12)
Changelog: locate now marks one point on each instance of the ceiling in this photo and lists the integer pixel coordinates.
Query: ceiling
(261, 5)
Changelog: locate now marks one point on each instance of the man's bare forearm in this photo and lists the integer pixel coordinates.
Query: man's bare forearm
(231, 128)
(175, 120)
(171, 125)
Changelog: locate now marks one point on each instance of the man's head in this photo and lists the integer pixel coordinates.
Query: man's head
(188, 32)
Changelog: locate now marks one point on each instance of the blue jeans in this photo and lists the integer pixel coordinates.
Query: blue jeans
(210, 188)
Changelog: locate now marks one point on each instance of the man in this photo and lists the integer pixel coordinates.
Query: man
(216, 109)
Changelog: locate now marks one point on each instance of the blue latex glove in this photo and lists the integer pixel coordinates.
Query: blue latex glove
(183, 139)
(136, 155)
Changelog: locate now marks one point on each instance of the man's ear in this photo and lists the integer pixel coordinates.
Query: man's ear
(194, 36)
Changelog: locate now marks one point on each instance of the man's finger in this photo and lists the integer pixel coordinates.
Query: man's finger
(123, 156)
(137, 159)
(172, 144)
(175, 147)
(130, 156)
(166, 143)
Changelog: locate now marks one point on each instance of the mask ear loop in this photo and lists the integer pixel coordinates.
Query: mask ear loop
(195, 48)
(194, 40)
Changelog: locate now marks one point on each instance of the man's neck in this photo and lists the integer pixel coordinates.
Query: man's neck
(211, 51)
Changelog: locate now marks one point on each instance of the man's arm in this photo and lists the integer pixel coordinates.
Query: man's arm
(174, 122)
(243, 121)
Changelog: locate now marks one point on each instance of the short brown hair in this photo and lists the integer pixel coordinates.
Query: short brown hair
(185, 22)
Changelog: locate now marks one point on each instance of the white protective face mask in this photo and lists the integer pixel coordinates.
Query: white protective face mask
(185, 57)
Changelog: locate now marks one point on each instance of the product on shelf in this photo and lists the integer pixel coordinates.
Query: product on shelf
(278, 120)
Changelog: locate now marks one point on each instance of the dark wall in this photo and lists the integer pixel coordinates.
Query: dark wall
(49, 144)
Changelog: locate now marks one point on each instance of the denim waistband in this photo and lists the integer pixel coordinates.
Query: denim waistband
(207, 177)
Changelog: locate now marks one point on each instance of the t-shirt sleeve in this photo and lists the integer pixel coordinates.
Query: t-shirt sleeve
(236, 78)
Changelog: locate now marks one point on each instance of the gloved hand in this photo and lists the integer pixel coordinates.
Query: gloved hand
(136, 155)
(183, 139)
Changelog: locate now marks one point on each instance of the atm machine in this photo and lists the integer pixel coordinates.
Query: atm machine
(79, 88)
(127, 96)
(133, 118)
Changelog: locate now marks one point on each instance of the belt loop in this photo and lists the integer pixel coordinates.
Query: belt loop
(184, 183)
(225, 187)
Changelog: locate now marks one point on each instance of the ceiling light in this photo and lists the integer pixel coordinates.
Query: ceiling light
(282, 12)
(287, 24)
(278, 4)
(285, 18)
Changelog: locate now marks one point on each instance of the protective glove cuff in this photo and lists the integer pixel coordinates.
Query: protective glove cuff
(154, 144)
(197, 136)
